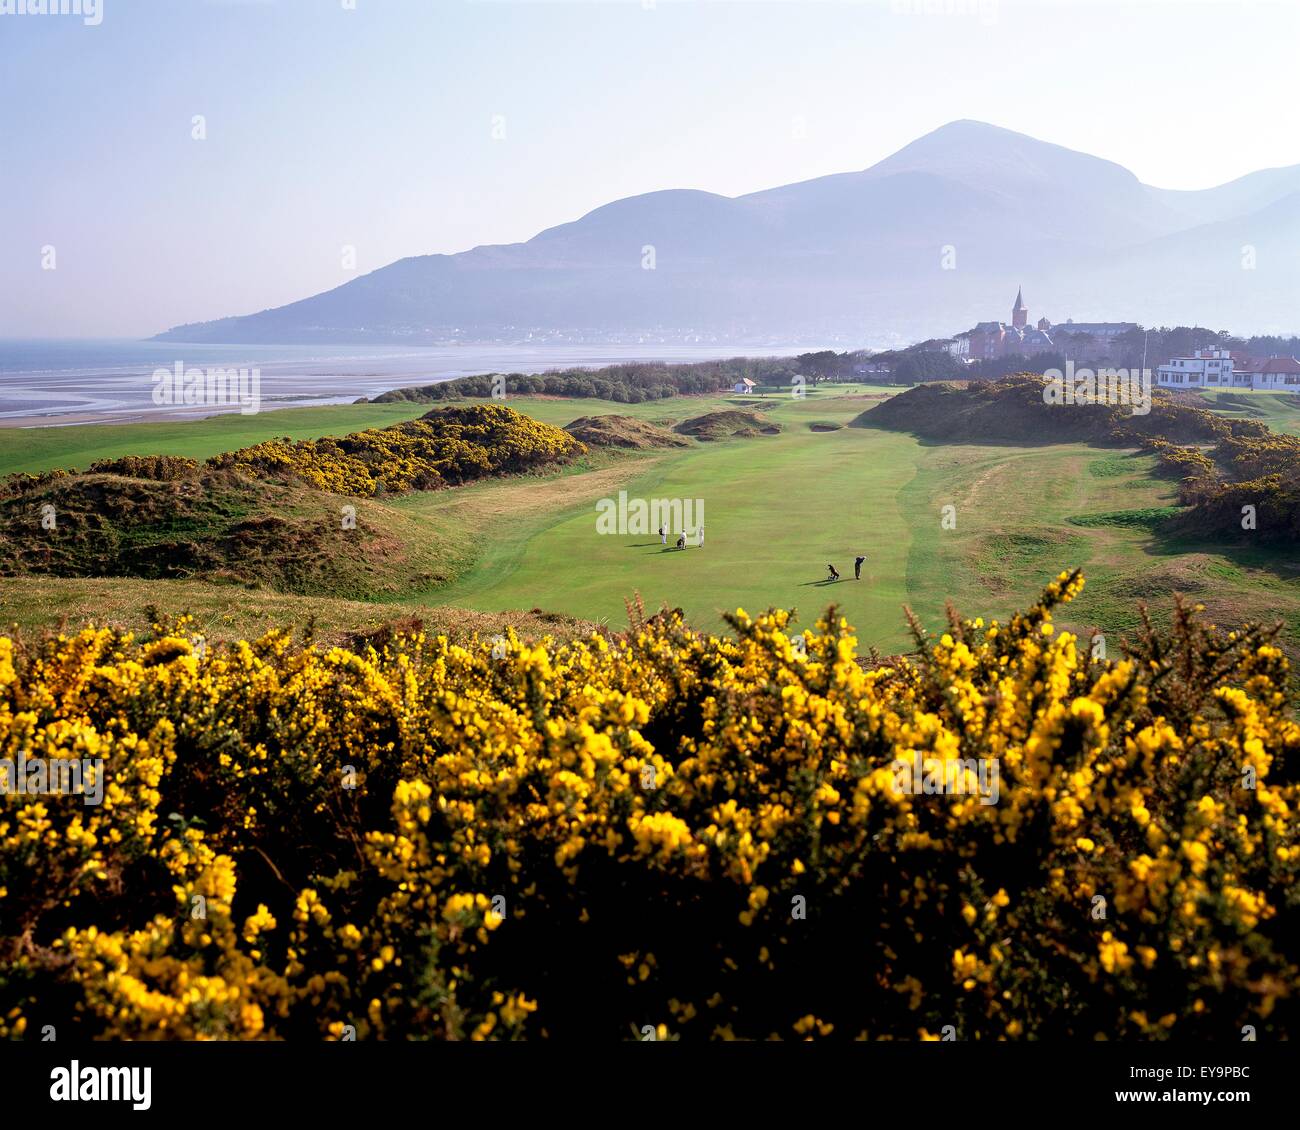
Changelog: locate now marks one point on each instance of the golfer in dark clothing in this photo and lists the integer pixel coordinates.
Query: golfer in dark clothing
(681, 541)
(857, 568)
(834, 575)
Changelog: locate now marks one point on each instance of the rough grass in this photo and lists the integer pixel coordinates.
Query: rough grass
(726, 423)
(1013, 410)
(224, 528)
(31, 606)
(623, 431)
(1145, 518)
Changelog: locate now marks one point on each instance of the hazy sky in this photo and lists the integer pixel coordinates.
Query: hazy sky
(380, 126)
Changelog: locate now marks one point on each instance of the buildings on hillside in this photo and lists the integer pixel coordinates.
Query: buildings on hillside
(1222, 368)
(1080, 341)
(1085, 342)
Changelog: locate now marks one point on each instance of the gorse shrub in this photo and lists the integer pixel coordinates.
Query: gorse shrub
(20, 482)
(446, 447)
(161, 468)
(697, 834)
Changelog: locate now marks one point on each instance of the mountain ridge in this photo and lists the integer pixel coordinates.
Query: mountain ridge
(923, 242)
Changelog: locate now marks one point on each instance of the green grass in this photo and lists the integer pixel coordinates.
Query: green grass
(778, 508)
(1146, 518)
(1279, 410)
(1110, 466)
(76, 447)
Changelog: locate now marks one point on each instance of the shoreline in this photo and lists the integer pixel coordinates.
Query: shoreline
(188, 414)
(99, 387)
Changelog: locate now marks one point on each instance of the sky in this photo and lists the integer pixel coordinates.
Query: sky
(406, 127)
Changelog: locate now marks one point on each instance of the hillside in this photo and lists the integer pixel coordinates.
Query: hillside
(220, 527)
(296, 517)
(1239, 480)
(805, 261)
(1012, 410)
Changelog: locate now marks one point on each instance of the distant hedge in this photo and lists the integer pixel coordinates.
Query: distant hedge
(626, 384)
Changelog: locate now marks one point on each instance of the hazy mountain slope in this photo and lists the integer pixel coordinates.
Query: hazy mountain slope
(851, 257)
(1239, 272)
(1239, 197)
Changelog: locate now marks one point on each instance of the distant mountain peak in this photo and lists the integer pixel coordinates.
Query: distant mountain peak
(852, 257)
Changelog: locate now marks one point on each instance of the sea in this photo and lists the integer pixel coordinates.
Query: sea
(56, 382)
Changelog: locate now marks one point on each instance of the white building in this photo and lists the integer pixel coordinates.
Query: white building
(743, 385)
(1214, 368)
(1206, 368)
(1274, 373)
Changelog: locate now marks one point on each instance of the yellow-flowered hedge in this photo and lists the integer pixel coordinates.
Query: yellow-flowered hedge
(445, 447)
(669, 832)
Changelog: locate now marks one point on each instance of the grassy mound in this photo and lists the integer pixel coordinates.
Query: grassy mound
(726, 423)
(825, 426)
(1012, 410)
(295, 517)
(622, 431)
(719, 837)
(216, 526)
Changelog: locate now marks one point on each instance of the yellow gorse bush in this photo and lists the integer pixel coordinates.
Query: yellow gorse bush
(445, 447)
(700, 835)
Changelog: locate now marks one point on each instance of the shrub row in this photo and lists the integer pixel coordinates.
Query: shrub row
(706, 836)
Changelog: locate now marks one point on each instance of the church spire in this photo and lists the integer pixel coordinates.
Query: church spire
(1019, 312)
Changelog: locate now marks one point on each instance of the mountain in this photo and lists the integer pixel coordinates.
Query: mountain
(853, 257)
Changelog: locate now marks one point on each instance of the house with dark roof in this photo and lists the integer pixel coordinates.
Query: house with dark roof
(1221, 368)
(989, 340)
(1078, 341)
(1274, 373)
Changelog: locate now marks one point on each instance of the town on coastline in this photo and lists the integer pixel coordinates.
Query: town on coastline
(1183, 358)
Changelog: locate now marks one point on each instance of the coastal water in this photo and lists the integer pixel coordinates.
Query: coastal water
(52, 382)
